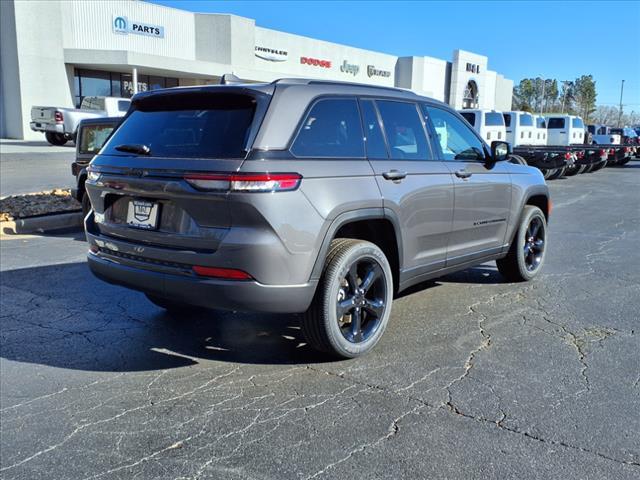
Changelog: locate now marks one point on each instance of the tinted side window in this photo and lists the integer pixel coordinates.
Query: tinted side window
(123, 105)
(469, 117)
(577, 123)
(331, 129)
(555, 123)
(493, 119)
(455, 139)
(507, 119)
(374, 139)
(404, 130)
(526, 120)
(93, 137)
(540, 123)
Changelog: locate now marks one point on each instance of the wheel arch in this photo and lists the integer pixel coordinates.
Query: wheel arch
(376, 225)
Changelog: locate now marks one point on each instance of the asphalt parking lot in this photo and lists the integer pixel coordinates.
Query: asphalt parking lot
(33, 166)
(474, 378)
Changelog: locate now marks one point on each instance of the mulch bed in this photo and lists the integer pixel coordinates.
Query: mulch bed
(35, 204)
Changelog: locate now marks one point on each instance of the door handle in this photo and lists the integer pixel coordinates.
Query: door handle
(462, 174)
(394, 175)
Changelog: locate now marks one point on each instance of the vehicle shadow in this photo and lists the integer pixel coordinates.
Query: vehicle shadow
(61, 316)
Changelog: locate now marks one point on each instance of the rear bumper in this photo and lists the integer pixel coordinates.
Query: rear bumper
(47, 127)
(247, 296)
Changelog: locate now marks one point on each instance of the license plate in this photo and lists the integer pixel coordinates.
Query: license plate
(142, 214)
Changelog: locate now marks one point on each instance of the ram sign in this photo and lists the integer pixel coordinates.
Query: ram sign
(124, 26)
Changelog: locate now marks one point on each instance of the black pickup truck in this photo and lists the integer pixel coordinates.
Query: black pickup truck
(92, 133)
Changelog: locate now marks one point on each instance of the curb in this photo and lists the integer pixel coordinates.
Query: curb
(42, 224)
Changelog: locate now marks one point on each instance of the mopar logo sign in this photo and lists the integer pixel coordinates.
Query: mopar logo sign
(120, 24)
(124, 26)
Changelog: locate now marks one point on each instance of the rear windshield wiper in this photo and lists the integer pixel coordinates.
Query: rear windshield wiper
(139, 149)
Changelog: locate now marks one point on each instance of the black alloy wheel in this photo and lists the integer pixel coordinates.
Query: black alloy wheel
(361, 300)
(534, 243)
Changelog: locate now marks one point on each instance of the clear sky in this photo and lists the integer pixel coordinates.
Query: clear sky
(561, 40)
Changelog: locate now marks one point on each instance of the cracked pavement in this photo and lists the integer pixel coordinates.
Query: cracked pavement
(473, 378)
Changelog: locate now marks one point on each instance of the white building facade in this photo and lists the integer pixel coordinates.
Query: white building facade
(57, 52)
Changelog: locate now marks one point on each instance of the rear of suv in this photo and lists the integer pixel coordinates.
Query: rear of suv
(303, 196)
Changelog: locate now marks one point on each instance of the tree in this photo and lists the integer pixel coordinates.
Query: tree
(585, 96)
(523, 94)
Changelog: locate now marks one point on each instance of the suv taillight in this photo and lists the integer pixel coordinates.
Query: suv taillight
(59, 118)
(245, 182)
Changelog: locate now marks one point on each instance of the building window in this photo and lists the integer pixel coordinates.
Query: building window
(90, 83)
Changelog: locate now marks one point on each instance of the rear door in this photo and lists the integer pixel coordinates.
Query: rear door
(482, 191)
(557, 131)
(417, 188)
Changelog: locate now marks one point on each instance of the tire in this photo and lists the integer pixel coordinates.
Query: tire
(572, 170)
(546, 173)
(169, 305)
(526, 256)
(624, 161)
(57, 139)
(86, 205)
(589, 168)
(354, 271)
(599, 166)
(518, 160)
(559, 172)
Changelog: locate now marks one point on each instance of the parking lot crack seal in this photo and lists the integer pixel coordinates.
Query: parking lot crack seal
(501, 426)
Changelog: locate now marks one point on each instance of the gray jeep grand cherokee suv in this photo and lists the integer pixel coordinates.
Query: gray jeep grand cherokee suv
(305, 196)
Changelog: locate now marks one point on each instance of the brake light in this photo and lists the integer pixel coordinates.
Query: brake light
(226, 273)
(612, 151)
(549, 206)
(603, 152)
(59, 118)
(581, 154)
(245, 182)
(567, 156)
(627, 149)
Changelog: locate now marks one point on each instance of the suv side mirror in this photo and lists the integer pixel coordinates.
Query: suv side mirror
(500, 151)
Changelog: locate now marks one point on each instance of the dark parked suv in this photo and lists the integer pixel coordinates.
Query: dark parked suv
(305, 196)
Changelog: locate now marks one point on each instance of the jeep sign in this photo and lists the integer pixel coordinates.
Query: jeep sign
(124, 26)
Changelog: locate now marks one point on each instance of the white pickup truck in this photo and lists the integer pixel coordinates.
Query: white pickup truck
(565, 130)
(60, 124)
(601, 135)
(488, 123)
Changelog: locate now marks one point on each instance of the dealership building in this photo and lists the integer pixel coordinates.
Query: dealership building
(57, 52)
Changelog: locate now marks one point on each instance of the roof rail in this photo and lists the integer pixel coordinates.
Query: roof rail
(310, 81)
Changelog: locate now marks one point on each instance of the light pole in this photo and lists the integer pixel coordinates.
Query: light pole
(620, 111)
(542, 101)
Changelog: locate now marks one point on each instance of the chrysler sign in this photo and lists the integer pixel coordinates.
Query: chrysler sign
(271, 54)
(124, 26)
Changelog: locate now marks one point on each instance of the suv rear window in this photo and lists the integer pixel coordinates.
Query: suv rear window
(188, 126)
(555, 123)
(469, 117)
(331, 129)
(577, 123)
(493, 119)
